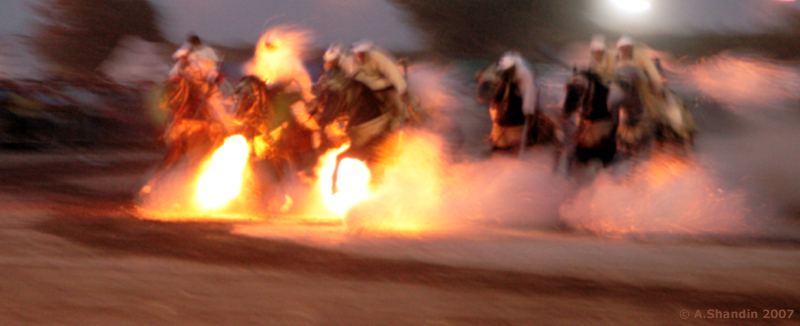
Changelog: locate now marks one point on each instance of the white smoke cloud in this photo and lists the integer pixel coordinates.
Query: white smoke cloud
(664, 195)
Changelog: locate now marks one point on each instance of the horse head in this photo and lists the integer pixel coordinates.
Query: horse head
(586, 93)
(341, 95)
(628, 98)
(332, 94)
(503, 84)
(254, 107)
(576, 89)
(487, 82)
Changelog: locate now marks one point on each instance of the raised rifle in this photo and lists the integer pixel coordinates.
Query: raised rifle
(536, 109)
(403, 114)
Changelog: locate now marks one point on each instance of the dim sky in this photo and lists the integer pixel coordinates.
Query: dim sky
(233, 22)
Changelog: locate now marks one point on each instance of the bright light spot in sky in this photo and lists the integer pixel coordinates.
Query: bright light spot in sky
(632, 5)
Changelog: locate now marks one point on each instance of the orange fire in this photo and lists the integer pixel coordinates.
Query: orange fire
(221, 181)
(278, 58)
(352, 182)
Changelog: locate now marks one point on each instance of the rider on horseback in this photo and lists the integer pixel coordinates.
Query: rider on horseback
(198, 49)
(631, 56)
(640, 107)
(278, 64)
(378, 70)
(336, 65)
(197, 63)
(515, 98)
(665, 112)
(199, 111)
(329, 87)
(601, 61)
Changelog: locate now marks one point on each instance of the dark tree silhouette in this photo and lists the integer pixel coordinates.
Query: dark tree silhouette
(779, 42)
(489, 27)
(77, 35)
(486, 28)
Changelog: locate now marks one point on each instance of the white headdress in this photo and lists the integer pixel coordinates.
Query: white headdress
(508, 60)
(333, 53)
(598, 43)
(624, 41)
(362, 46)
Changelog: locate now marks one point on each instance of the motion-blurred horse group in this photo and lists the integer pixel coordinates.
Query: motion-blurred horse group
(596, 123)
(347, 112)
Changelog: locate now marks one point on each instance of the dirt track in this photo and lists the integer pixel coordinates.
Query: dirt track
(71, 253)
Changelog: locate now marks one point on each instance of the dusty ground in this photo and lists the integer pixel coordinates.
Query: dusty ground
(71, 253)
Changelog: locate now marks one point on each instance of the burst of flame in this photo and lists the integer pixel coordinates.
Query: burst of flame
(278, 57)
(408, 202)
(353, 182)
(221, 182)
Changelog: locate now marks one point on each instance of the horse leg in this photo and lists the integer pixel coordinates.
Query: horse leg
(335, 177)
(565, 155)
(175, 151)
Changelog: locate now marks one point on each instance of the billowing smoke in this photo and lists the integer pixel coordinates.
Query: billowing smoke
(724, 186)
(739, 179)
(741, 175)
(664, 195)
(751, 135)
(427, 191)
(744, 82)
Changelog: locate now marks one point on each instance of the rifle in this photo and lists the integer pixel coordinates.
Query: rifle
(404, 62)
(536, 109)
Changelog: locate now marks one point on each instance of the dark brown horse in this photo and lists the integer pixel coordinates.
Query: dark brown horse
(368, 129)
(504, 97)
(595, 135)
(279, 144)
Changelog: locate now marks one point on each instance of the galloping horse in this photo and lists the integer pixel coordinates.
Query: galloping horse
(594, 138)
(635, 132)
(277, 140)
(367, 127)
(505, 105)
(190, 129)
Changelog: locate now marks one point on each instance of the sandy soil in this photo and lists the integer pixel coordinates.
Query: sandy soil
(72, 253)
